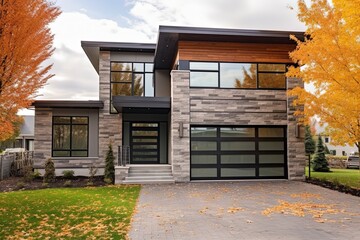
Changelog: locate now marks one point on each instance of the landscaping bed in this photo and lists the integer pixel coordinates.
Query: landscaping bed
(334, 186)
(342, 180)
(18, 183)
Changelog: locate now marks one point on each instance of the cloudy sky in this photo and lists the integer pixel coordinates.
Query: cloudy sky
(138, 21)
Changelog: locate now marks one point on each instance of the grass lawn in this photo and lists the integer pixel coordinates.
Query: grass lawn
(348, 177)
(64, 213)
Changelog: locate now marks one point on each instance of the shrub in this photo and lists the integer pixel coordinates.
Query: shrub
(68, 174)
(109, 174)
(320, 163)
(336, 161)
(67, 183)
(49, 175)
(36, 174)
(108, 180)
(28, 173)
(20, 185)
(92, 172)
(45, 185)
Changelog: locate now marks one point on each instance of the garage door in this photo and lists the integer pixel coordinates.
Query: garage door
(237, 152)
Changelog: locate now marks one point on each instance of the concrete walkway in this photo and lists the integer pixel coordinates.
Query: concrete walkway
(245, 210)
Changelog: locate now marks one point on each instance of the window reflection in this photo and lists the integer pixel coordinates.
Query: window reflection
(237, 75)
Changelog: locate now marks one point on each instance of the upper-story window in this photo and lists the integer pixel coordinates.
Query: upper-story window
(131, 79)
(238, 75)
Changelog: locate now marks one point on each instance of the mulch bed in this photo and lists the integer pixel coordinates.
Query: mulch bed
(18, 183)
(337, 187)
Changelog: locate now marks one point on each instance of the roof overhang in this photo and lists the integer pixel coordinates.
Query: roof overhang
(67, 104)
(169, 36)
(92, 49)
(136, 104)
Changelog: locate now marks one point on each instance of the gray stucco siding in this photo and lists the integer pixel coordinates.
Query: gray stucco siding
(43, 138)
(131, 57)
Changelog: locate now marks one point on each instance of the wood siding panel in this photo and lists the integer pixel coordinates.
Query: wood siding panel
(234, 52)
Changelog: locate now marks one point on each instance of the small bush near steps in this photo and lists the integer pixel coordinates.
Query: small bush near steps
(49, 175)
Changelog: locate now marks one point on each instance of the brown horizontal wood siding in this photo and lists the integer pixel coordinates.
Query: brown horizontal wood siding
(234, 52)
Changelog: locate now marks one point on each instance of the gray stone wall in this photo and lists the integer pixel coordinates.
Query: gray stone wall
(180, 114)
(229, 107)
(296, 146)
(110, 125)
(43, 136)
(238, 107)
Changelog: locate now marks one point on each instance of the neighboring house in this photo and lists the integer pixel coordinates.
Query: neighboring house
(200, 104)
(336, 150)
(339, 150)
(25, 140)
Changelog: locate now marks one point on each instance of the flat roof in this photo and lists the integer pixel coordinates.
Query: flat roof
(92, 49)
(67, 104)
(170, 35)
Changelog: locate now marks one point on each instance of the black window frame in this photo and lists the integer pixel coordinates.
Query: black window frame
(133, 73)
(257, 74)
(256, 152)
(70, 150)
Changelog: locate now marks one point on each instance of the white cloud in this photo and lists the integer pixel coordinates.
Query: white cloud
(75, 76)
(249, 14)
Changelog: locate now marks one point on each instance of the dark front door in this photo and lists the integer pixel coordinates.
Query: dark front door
(144, 142)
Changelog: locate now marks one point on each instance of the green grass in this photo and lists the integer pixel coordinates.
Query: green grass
(68, 213)
(348, 177)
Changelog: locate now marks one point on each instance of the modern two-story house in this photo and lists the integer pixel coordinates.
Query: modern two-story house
(200, 104)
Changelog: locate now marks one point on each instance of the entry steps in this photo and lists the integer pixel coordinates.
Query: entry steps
(149, 174)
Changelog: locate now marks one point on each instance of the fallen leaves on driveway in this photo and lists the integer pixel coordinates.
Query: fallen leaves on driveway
(234, 209)
(306, 195)
(301, 209)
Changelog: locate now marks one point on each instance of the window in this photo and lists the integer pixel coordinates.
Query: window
(238, 75)
(70, 136)
(131, 79)
(326, 139)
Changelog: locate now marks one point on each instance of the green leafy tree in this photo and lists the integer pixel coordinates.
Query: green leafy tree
(109, 174)
(320, 163)
(309, 141)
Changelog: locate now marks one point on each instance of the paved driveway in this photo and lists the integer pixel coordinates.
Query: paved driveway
(245, 210)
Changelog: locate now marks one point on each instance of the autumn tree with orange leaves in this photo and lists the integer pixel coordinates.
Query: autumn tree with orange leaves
(329, 58)
(25, 43)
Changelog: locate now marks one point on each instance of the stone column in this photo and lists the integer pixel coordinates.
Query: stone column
(110, 125)
(180, 115)
(295, 139)
(43, 137)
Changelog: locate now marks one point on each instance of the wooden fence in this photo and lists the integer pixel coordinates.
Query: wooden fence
(14, 164)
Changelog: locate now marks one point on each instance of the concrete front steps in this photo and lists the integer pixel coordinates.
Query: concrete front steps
(146, 174)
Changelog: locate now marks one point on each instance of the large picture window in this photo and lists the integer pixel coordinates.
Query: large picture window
(238, 75)
(131, 79)
(70, 136)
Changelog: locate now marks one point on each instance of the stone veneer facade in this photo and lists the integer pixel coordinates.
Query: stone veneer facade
(43, 137)
(229, 107)
(110, 125)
